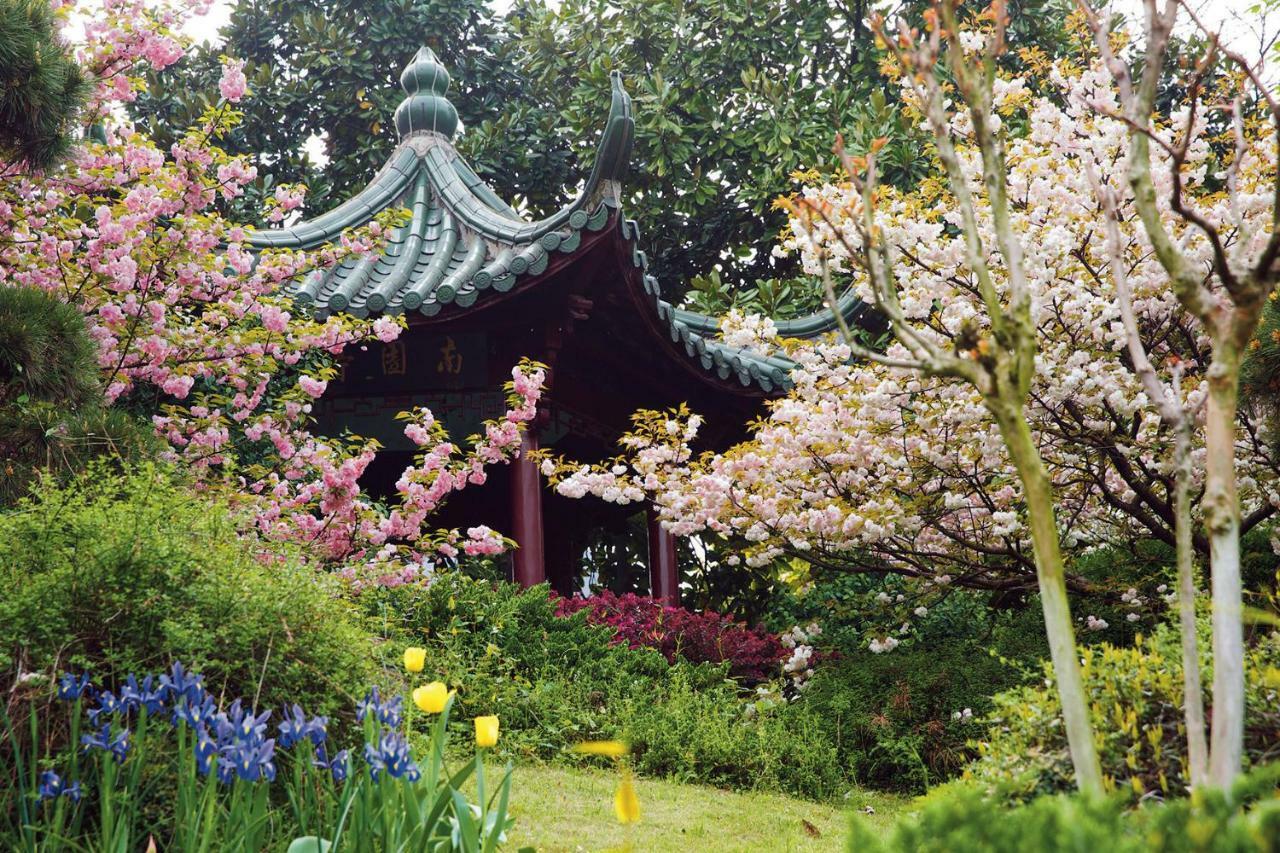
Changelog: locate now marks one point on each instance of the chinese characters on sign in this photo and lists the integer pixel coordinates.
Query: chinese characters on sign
(450, 357)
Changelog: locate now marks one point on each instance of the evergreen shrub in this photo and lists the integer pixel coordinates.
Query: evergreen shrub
(961, 818)
(117, 573)
(1135, 694)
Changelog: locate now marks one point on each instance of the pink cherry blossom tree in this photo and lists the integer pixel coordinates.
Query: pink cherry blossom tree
(182, 310)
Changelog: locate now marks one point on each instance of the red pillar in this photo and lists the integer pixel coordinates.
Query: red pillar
(528, 560)
(663, 579)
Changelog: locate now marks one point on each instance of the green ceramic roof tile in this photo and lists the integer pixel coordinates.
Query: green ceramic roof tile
(463, 243)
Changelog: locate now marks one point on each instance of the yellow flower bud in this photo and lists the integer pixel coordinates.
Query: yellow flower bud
(431, 697)
(486, 731)
(608, 748)
(415, 658)
(626, 805)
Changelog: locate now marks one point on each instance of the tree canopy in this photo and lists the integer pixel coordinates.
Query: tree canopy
(732, 100)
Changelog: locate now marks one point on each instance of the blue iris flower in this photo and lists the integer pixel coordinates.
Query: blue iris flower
(107, 704)
(71, 687)
(103, 740)
(196, 712)
(206, 750)
(52, 787)
(144, 695)
(179, 684)
(388, 713)
(393, 756)
(238, 723)
(250, 759)
(295, 727)
(336, 765)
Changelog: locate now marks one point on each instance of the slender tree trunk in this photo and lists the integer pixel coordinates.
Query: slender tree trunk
(1222, 520)
(1053, 594)
(1192, 693)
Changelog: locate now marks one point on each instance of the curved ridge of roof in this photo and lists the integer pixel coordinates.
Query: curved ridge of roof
(852, 310)
(462, 238)
(462, 241)
(748, 368)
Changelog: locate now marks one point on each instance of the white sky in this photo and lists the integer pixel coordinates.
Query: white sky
(1235, 18)
(1239, 22)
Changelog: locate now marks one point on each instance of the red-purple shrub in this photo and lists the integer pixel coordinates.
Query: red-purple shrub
(753, 655)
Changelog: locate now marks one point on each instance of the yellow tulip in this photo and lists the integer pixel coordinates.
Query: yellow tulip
(607, 748)
(431, 697)
(415, 658)
(626, 805)
(486, 732)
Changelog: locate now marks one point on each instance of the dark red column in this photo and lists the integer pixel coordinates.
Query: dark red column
(529, 561)
(663, 579)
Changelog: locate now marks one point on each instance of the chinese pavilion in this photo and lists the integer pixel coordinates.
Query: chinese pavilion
(483, 286)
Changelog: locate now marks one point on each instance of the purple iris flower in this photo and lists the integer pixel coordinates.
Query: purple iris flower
(238, 723)
(250, 759)
(71, 687)
(295, 727)
(196, 712)
(336, 765)
(52, 787)
(107, 704)
(179, 684)
(393, 756)
(206, 751)
(388, 713)
(144, 695)
(103, 740)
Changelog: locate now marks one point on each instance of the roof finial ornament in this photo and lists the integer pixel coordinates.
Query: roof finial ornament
(426, 108)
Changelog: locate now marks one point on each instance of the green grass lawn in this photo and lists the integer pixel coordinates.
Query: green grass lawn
(559, 810)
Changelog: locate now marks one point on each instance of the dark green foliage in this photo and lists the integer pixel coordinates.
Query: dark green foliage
(51, 409)
(334, 69)
(116, 574)
(41, 86)
(44, 350)
(558, 681)
(891, 716)
(1260, 372)
(962, 819)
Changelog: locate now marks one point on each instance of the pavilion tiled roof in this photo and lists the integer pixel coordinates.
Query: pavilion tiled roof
(463, 244)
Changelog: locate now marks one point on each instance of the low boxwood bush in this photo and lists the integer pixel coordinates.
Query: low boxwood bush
(709, 736)
(961, 817)
(1135, 694)
(113, 574)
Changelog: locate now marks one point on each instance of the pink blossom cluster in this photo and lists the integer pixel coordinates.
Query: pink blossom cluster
(178, 303)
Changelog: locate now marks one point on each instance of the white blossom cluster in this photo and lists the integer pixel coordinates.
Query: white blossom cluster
(798, 667)
(876, 467)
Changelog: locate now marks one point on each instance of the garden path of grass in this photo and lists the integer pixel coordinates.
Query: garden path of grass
(562, 810)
